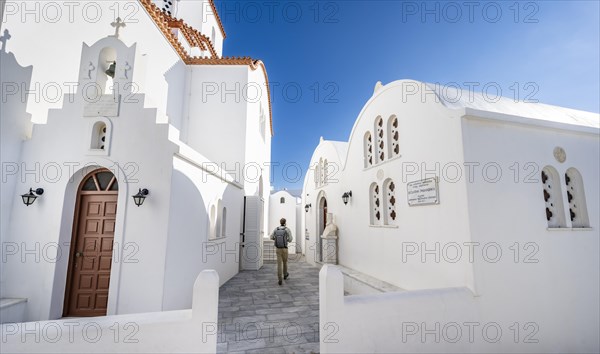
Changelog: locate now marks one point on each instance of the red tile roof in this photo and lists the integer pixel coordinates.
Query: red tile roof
(166, 23)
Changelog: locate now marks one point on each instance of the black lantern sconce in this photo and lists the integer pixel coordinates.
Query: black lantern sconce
(307, 207)
(29, 198)
(346, 196)
(140, 197)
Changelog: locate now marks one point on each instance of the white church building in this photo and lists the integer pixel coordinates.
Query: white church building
(94, 114)
(454, 211)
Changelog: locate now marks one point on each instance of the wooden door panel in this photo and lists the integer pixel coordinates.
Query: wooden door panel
(92, 258)
(93, 209)
(110, 209)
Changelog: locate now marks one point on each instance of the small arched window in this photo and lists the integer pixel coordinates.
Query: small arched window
(379, 145)
(224, 222)
(375, 205)
(282, 200)
(320, 172)
(325, 167)
(576, 198)
(213, 221)
(368, 149)
(392, 128)
(98, 139)
(219, 221)
(213, 36)
(262, 122)
(555, 214)
(389, 194)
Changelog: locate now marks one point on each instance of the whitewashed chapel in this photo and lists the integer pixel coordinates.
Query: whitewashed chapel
(462, 210)
(137, 101)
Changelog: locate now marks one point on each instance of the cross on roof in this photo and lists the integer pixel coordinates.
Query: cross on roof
(118, 24)
(4, 39)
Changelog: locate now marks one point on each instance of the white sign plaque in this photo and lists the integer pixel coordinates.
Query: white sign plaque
(423, 192)
(106, 106)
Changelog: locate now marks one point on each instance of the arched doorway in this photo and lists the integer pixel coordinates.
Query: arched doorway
(90, 258)
(322, 221)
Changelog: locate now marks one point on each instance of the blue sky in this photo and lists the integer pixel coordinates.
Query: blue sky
(335, 52)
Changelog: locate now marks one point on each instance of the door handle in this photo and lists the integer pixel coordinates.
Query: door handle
(78, 254)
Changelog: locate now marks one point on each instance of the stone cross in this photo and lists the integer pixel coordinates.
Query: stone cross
(118, 24)
(3, 40)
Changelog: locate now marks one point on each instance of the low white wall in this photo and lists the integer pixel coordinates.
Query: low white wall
(190, 331)
(12, 310)
(414, 321)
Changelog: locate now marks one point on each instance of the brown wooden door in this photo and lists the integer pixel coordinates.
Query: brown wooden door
(91, 254)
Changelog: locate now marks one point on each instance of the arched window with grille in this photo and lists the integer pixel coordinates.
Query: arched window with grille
(379, 140)
(389, 205)
(325, 167)
(375, 204)
(368, 149)
(555, 214)
(393, 137)
(317, 174)
(99, 136)
(576, 198)
(282, 200)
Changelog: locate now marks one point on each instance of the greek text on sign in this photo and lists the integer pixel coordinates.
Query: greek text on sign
(423, 192)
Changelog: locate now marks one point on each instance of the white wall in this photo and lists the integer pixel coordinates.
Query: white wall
(60, 61)
(258, 139)
(538, 286)
(420, 321)
(287, 210)
(213, 109)
(189, 331)
(15, 127)
(312, 194)
(190, 248)
(141, 154)
(429, 136)
(552, 269)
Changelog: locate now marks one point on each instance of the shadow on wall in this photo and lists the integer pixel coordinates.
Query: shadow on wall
(175, 78)
(188, 227)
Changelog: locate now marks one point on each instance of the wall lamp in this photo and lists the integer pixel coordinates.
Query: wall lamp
(140, 197)
(307, 207)
(346, 196)
(29, 198)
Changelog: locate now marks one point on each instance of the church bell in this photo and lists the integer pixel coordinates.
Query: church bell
(111, 69)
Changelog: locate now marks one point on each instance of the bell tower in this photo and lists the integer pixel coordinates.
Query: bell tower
(202, 15)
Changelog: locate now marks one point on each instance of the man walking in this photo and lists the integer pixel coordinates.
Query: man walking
(282, 236)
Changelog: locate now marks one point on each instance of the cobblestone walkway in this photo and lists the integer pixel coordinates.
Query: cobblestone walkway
(256, 315)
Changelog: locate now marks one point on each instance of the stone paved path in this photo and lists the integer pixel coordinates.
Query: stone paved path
(256, 315)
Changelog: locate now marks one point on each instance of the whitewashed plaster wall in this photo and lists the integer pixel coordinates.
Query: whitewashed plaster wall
(429, 135)
(285, 210)
(15, 128)
(521, 284)
(258, 138)
(312, 194)
(58, 43)
(140, 156)
(191, 331)
(191, 248)
(218, 111)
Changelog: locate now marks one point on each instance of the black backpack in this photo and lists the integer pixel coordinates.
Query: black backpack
(281, 237)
